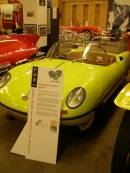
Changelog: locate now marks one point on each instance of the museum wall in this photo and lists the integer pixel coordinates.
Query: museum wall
(3, 1)
(54, 3)
(93, 12)
(80, 12)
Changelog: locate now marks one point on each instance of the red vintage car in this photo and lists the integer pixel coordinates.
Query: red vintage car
(88, 30)
(15, 48)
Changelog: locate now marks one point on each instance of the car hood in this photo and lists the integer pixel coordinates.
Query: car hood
(75, 75)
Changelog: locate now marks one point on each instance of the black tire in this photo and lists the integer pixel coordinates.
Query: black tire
(121, 154)
(87, 35)
(10, 117)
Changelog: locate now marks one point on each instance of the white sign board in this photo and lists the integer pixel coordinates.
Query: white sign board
(42, 128)
(54, 13)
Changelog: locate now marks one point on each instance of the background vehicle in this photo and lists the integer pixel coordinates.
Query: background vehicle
(88, 30)
(16, 48)
(121, 153)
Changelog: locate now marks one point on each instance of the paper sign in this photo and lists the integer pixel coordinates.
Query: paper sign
(44, 114)
(42, 128)
(54, 13)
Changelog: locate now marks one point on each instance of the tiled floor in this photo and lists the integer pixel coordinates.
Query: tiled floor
(90, 152)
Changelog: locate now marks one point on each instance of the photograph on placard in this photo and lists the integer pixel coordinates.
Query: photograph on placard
(53, 126)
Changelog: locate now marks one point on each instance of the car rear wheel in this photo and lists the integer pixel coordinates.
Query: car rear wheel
(121, 154)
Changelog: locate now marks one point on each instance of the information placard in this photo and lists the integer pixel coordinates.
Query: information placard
(44, 114)
(42, 128)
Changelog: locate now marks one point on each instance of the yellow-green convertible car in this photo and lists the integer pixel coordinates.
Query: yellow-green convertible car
(92, 72)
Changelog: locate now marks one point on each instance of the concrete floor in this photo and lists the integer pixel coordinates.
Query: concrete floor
(90, 152)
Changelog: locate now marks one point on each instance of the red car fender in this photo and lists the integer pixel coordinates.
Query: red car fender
(17, 47)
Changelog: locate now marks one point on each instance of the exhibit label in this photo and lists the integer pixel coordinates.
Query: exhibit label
(44, 114)
(42, 129)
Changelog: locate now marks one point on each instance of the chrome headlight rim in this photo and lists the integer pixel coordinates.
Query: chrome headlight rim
(4, 68)
(75, 89)
(4, 79)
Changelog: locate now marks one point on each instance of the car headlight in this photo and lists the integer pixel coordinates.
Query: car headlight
(4, 68)
(4, 79)
(76, 97)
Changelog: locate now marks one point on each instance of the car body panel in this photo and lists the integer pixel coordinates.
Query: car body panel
(122, 100)
(14, 47)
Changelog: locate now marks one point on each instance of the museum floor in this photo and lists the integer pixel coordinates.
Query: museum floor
(90, 152)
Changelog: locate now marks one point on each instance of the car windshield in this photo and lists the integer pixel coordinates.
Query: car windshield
(85, 52)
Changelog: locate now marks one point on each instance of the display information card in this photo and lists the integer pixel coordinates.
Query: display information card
(42, 128)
